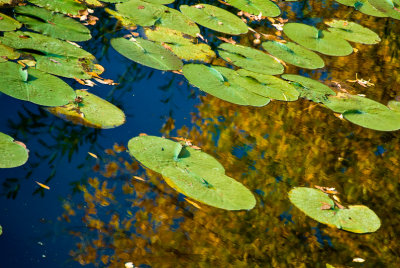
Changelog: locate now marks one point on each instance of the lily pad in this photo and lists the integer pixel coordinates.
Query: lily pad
(272, 87)
(389, 7)
(91, 111)
(183, 47)
(52, 24)
(363, 6)
(8, 24)
(191, 172)
(147, 53)
(215, 18)
(317, 40)
(224, 83)
(33, 85)
(62, 6)
(250, 59)
(264, 8)
(364, 112)
(353, 32)
(12, 153)
(319, 206)
(309, 88)
(7, 53)
(294, 54)
(148, 14)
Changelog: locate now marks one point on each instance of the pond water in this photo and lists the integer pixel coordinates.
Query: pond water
(97, 215)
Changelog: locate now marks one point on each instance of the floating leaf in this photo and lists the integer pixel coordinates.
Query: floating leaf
(12, 153)
(363, 6)
(250, 59)
(272, 87)
(125, 21)
(224, 83)
(309, 88)
(162, 2)
(8, 24)
(52, 24)
(294, 54)
(317, 40)
(389, 7)
(364, 112)
(147, 53)
(33, 85)
(148, 14)
(353, 32)
(183, 47)
(215, 18)
(62, 6)
(7, 52)
(191, 172)
(91, 111)
(356, 219)
(256, 7)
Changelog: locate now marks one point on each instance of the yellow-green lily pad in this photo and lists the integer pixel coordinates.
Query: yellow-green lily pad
(265, 8)
(12, 153)
(8, 24)
(63, 6)
(353, 32)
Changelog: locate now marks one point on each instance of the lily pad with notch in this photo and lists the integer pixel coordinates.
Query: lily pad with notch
(363, 6)
(389, 7)
(250, 59)
(353, 32)
(224, 83)
(191, 172)
(318, 40)
(63, 6)
(215, 18)
(7, 53)
(319, 206)
(265, 8)
(12, 153)
(147, 53)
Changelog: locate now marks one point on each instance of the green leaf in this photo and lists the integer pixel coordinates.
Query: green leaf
(7, 53)
(91, 111)
(256, 7)
(364, 112)
(224, 83)
(215, 18)
(62, 6)
(271, 87)
(12, 153)
(294, 54)
(162, 2)
(309, 88)
(148, 14)
(250, 59)
(356, 219)
(8, 24)
(389, 7)
(182, 46)
(52, 24)
(363, 6)
(147, 53)
(193, 173)
(37, 87)
(317, 40)
(394, 105)
(353, 32)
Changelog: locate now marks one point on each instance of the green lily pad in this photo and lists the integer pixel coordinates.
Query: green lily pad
(364, 112)
(224, 83)
(148, 14)
(183, 47)
(389, 7)
(272, 87)
(309, 88)
(52, 24)
(44, 44)
(215, 18)
(353, 32)
(317, 40)
(33, 85)
(147, 53)
(294, 54)
(91, 111)
(256, 7)
(12, 153)
(191, 172)
(250, 59)
(8, 24)
(363, 6)
(62, 6)
(315, 204)
(7, 53)
(125, 21)
(161, 2)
